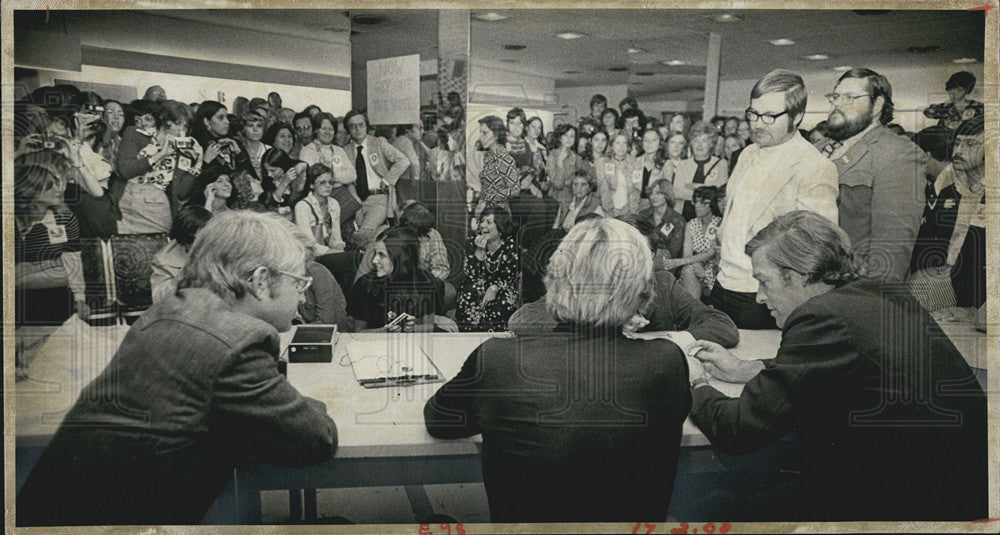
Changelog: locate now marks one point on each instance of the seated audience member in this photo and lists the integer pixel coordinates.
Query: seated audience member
(196, 391)
(662, 226)
(863, 400)
(490, 292)
(283, 181)
(49, 282)
(324, 300)
(396, 285)
(318, 214)
(166, 159)
(544, 460)
(217, 195)
(651, 160)
(303, 132)
(701, 244)
(378, 166)
(964, 182)
(498, 177)
(324, 150)
(702, 169)
(433, 255)
(959, 106)
(211, 130)
(618, 179)
(585, 200)
(281, 136)
(938, 220)
(252, 126)
(779, 172)
(409, 141)
(169, 261)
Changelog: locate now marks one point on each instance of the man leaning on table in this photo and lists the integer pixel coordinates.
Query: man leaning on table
(192, 390)
(891, 422)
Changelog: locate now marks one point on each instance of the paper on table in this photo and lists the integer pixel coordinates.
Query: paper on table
(683, 339)
(392, 359)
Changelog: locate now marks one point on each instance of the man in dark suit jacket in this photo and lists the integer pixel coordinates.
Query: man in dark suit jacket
(192, 390)
(891, 421)
(881, 175)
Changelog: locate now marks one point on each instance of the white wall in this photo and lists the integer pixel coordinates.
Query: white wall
(196, 89)
(576, 100)
(913, 89)
(489, 83)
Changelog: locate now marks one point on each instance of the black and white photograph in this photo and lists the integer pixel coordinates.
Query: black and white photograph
(466, 268)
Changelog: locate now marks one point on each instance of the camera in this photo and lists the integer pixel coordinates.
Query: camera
(93, 109)
(182, 143)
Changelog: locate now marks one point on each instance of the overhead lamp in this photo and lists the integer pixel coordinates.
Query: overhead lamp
(781, 42)
(674, 62)
(636, 50)
(724, 17)
(490, 16)
(570, 35)
(817, 57)
(965, 60)
(841, 68)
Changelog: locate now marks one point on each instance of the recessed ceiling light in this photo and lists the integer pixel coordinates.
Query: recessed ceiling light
(723, 17)
(491, 16)
(965, 60)
(514, 47)
(674, 62)
(841, 68)
(572, 72)
(922, 49)
(570, 35)
(817, 57)
(636, 50)
(367, 20)
(618, 69)
(781, 42)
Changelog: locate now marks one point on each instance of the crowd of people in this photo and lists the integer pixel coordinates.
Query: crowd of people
(620, 222)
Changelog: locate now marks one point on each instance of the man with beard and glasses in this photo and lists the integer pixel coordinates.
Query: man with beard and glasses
(881, 174)
(778, 173)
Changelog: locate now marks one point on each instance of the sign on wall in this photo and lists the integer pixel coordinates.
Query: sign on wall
(394, 90)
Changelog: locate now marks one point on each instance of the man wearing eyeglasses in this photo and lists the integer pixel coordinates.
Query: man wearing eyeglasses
(192, 390)
(378, 165)
(881, 175)
(778, 173)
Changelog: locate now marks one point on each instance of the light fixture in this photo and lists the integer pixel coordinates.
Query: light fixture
(781, 42)
(965, 60)
(570, 35)
(514, 47)
(572, 72)
(618, 69)
(723, 17)
(367, 20)
(841, 68)
(674, 62)
(490, 16)
(817, 57)
(636, 50)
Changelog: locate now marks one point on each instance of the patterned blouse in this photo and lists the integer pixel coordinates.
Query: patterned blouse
(948, 115)
(702, 239)
(499, 177)
(500, 269)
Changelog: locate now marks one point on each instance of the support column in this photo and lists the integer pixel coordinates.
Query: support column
(711, 105)
(453, 76)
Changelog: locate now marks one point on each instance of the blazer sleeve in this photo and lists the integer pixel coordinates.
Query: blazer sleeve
(702, 321)
(897, 207)
(400, 163)
(405, 145)
(268, 416)
(451, 412)
(816, 350)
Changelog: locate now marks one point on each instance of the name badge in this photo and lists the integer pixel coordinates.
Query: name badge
(968, 113)
(373, 158)
(637, 176)
(609, 168)
(57, 233)
(336, 160)
(183, 163)
(667, 229)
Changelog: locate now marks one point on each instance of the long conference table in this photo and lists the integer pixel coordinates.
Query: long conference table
(382, 438)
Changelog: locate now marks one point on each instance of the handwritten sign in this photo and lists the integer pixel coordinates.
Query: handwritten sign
(394, 90)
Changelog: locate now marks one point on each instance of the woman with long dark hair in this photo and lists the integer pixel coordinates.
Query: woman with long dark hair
(490, 292)
(283, 181)
(210, 128)
(397, 284)
(563, 164)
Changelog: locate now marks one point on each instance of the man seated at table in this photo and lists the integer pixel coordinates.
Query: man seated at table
(192, 390)
(581, 424)
(891, 422)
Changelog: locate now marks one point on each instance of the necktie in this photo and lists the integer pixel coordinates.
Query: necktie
(362, 181)
(831, 148)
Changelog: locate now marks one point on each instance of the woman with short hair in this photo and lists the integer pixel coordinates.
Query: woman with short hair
(317, 214)
(283, 181)
(585, 200)
(702, 169)
(619, 177)
(584, 424)
(701, 244)
(663, 226)
(490, 292)
(499, 178)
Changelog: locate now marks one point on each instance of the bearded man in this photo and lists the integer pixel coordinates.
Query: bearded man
(881, 174)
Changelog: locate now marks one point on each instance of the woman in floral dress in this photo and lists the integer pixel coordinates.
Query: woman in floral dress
(490, 292)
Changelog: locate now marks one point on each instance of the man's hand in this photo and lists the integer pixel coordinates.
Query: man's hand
(722, 365)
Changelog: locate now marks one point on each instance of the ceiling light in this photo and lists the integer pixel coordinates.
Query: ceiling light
(723, 17)
(367, 20)
(841, 68)
(782, 42)
(514, 47)
(817, 57)
(618, 69)
(674, 62)
(636, 50)
(965, 60)
(570, 35)
(572, 72)
(491, 16)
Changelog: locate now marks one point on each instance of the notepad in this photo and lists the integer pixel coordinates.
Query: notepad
(392, 361)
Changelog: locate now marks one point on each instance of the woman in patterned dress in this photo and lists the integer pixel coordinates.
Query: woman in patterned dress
(701, 244)
(490, 292)
(499, 175)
